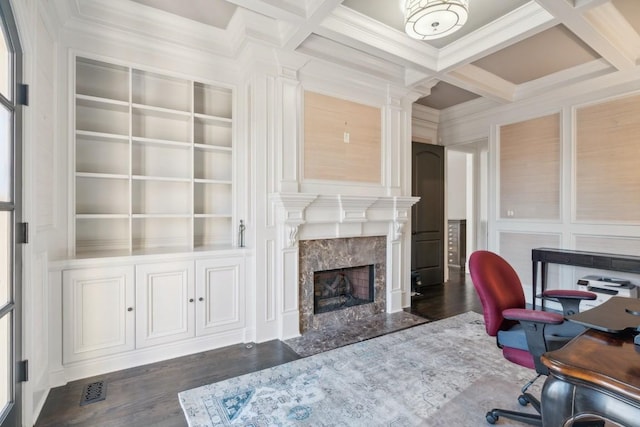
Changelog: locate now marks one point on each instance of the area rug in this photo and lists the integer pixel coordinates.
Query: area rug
(401, 379)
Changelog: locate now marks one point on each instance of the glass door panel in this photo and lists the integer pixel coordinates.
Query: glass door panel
(5, 363)
(5, 258)
(10, 213)
(5, 67)
(6, 155)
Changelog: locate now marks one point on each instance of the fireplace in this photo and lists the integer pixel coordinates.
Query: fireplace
(352, 276)
(342, 288)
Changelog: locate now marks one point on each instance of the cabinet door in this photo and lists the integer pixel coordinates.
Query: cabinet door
(220, 295)
(165, 299)
(98, 316)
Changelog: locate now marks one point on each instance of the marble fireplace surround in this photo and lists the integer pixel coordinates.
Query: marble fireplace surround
(330, 254)
(301, 217)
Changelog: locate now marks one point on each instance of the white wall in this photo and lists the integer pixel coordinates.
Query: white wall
(456, 183)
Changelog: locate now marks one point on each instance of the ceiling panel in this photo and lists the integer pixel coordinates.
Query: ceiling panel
(216, 13)
(545, 53)
(444, 95)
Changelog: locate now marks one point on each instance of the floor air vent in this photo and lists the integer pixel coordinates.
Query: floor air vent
(93, 392)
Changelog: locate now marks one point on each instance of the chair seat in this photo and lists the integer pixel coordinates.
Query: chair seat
(555, 335)
(514, 338)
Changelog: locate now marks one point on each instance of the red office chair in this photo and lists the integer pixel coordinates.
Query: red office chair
(522, 334)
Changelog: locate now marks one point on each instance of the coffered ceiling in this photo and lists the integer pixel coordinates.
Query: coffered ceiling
(507, 51)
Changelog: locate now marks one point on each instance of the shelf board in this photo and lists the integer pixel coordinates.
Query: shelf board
(212, 216)
(101, 175)
(88, 99)
(226, 121)
(208, 147)
(102, 216)
(160, 111)
(159, 178)
(166, 142)
(161, 216)
(212, 181)
(103, 135)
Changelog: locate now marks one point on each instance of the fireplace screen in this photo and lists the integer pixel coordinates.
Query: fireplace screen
(342, 288)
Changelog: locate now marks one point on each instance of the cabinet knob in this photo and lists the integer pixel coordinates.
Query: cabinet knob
(129, 308)
(201, 299)
(190, 299)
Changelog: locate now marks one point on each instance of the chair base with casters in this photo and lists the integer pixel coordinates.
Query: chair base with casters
(524, 399)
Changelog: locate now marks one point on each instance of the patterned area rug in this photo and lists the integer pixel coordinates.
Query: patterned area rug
(406, 378)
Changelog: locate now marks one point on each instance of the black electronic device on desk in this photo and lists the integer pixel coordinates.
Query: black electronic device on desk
(616, 315)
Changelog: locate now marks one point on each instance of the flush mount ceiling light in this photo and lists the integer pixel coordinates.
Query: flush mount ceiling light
(432, 19)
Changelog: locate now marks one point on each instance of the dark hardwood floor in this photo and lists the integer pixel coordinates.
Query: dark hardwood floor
(148, 395)
(454, 297)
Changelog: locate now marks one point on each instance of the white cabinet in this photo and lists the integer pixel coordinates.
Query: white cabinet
(165, 302)
(220, 294)
(153, 161)
(98, 312)
(187, 305)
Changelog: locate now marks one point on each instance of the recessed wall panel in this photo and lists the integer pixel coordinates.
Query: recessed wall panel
(607, 151)
(342, 140)
(530, 169)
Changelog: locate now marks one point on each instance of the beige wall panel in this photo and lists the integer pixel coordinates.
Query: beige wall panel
(608, 161)
(326, 155)
(530, 169)
(516, 249)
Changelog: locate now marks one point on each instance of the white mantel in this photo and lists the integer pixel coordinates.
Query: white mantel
(303, 216)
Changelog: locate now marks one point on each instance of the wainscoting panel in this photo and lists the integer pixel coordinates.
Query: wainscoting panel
(516, 247)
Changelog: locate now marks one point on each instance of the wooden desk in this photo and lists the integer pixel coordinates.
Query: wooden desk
(597, 260)
(596, 373)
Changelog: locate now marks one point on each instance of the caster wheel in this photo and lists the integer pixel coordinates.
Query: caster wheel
(522, 400)
(491, 418)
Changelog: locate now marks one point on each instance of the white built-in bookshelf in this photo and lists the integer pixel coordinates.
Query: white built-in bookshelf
(153, 161)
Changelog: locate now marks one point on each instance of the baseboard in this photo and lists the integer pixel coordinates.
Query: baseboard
(130, 359)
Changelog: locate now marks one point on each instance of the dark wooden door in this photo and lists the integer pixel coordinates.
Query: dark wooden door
(427, 230)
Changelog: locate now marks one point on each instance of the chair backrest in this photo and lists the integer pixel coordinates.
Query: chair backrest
(498, 288)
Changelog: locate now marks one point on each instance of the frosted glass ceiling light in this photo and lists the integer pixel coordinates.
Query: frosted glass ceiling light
(432, 19)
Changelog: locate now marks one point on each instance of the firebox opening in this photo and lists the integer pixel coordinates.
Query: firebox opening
(342, 288)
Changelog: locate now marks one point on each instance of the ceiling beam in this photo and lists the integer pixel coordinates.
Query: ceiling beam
(477, 80)
(300, 33)
(276, 9)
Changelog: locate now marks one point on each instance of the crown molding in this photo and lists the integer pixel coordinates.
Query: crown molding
(353, 29)
(330, 51)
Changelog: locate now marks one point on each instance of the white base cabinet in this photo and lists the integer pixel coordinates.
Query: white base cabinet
(116, 317)
(220, 295)
(165, 303)
(98, 312)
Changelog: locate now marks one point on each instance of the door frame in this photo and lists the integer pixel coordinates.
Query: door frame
(12, 414)
(477, 194)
